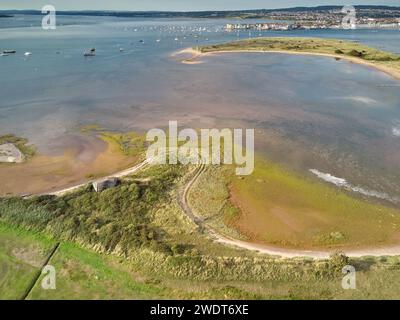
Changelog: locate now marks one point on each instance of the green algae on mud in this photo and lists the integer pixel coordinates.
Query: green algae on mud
(279, 207)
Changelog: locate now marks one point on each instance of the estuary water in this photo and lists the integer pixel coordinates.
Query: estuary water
(309, 112)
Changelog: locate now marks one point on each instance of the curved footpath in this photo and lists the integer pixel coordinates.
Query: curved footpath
(263, 249)
(119, 174)
(271, 250)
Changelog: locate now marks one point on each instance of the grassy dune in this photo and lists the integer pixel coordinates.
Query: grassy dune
(356, 52)
(84, 274)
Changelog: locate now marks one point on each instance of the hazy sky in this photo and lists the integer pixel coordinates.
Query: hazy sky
(176, 5)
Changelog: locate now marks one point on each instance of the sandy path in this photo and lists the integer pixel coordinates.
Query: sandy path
(120, 174)
(271, 250)
(263, 249)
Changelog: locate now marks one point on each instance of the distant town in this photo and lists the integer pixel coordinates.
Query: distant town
(330, 15)
(324, 18)
(321, 17)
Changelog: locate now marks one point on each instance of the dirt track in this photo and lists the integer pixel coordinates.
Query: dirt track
(271, 250)
(263, 249)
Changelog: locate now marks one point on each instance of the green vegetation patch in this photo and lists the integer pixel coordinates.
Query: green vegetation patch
(283, 208)
(83, 274)
(131, 143)
(316, 45)
(21, 257)
(210, 199)
(114, 220)
(145, 247)
(311, 45)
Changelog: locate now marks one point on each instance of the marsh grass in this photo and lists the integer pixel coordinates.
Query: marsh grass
(130, 143)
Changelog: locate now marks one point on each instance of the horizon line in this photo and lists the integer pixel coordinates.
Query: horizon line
(209, 10)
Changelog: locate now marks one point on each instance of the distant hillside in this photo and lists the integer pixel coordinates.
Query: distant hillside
(377, 10)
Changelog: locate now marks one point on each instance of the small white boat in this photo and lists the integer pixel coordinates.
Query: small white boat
(121, 50)
(27, 54)
(4, 54)
(158, 40)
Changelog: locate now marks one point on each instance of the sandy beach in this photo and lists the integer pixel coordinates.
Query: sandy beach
(196, 55)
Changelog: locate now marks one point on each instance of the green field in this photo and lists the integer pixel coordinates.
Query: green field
(84, 274)
(22, 255)
(80, 274)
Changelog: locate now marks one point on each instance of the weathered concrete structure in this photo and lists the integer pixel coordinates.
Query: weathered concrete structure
(11, 154)
(104, 184)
